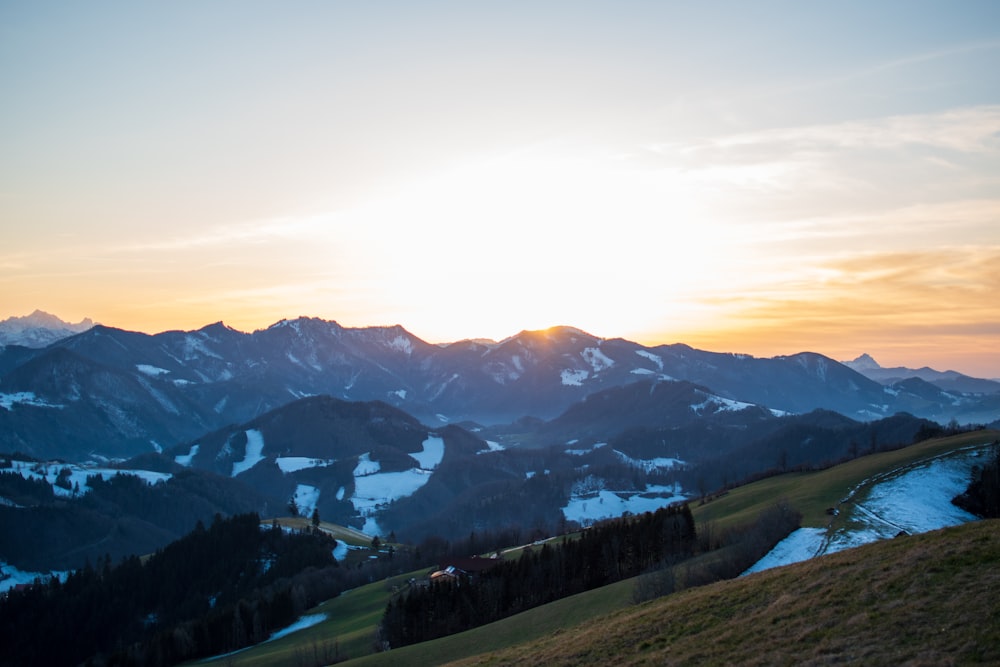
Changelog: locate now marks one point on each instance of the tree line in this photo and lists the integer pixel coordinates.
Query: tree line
(982, 496)
(606, 553)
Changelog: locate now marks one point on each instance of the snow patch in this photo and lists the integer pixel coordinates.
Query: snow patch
(586, 450)
(605, 504)
(289, 464)
(800, 545)
(597, 359)
(253, 454)
(76, 477)
(402, 344)
(152, 371)
(366, 466)
(721, 404)
(658, 463)
(491, 446)
(574, 378)
(656, 359)
(185, 459)
(306, 498)
(374, 489)
(10, 576)
(914, 499)
(432, 453)
(24, 398)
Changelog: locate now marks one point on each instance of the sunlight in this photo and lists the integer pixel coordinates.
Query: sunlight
(529, 241)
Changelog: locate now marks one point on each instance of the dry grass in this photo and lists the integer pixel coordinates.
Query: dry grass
(920, 600)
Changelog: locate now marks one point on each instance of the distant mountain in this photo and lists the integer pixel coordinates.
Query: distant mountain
(38, 329)
(947, 380)
(118, 393)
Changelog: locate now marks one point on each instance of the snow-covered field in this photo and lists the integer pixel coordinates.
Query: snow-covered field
(802, 544)
(373, 488)
(306, 498)
(10, 576)
(289, 464)
(78, 474)
(913, 499)
(253, 454)
(662, 463)
(586, 508)
(185, 459)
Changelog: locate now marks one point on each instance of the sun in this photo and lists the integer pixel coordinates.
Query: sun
(531, 240)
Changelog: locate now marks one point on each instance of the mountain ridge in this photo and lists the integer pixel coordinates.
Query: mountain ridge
(181, 384)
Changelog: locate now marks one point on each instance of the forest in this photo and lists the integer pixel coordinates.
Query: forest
(220, 588)
(606, 553)
(982, 496)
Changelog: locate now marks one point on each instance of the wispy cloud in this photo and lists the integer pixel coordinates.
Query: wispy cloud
(894, 64)
(874, 297)
(966, 130)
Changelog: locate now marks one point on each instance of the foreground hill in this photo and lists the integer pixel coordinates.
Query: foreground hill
(927, 599)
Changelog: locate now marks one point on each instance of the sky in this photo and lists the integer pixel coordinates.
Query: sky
(762, 178)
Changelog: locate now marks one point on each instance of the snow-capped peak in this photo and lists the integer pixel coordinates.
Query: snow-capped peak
(39, 329)
(863, 363)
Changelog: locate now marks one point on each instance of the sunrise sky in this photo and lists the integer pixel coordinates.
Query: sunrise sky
(763, 178)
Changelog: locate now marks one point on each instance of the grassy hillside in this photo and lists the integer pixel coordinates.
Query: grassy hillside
(811, 493)
(354, 615)
(925, 600)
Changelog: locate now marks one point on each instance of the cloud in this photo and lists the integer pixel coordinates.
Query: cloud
(966, 130)
(253, 232)
(941, 301)
(903, 62)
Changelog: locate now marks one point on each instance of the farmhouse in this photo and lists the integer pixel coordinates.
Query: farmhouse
(453, 568)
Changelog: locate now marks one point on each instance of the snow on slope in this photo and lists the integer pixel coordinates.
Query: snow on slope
(588, 508)
(373, 488)
(10, 576)
(77, 475)
(802, 544)
(914, 499)
(306, 498)
(253, 454)
(185, 459)
(289, 464)
(573, 378)
(24, 398)
(649, 465)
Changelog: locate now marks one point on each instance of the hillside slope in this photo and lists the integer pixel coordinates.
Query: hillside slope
(927, 599)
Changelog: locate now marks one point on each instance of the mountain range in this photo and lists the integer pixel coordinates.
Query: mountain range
(113, 393)
(374, 428)
(948, 380)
